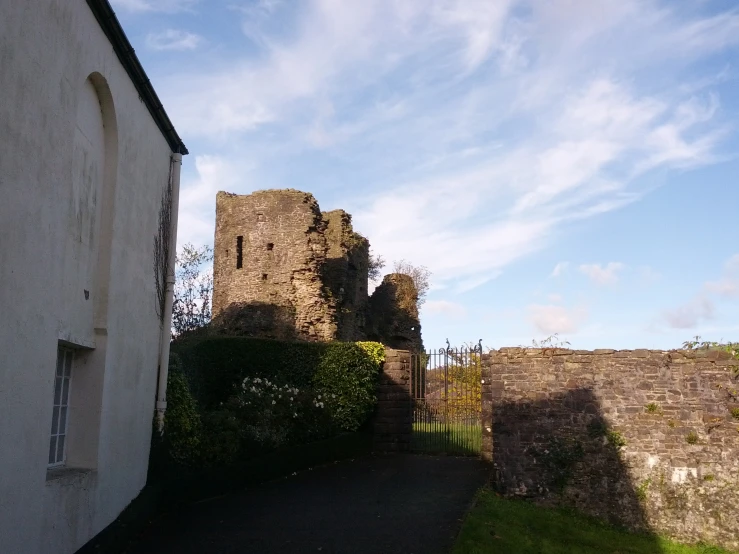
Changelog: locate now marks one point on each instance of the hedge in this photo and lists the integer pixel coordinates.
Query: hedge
(234, 398)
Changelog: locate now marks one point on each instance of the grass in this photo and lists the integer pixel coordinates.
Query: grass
(455, 438)
(501, 526)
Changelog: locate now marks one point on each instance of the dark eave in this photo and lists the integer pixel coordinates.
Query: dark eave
(112, 28)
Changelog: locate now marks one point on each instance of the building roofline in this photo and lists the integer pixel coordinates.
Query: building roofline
(112, 28)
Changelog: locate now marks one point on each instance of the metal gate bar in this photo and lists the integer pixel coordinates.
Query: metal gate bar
(447, 402)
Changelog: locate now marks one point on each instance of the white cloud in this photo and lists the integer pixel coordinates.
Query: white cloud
(551, 319)
(689, 315)
(173, 39)
(559, 269)
(555, 298)
(649, 274)
(602, 275)
(440, 85)
(728, 284)
(445, 307)
(196, 214)
(166, 6)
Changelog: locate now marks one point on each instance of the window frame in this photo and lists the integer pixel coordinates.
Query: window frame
(62, 375)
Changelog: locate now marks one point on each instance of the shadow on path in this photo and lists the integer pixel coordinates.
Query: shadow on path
(375, 505)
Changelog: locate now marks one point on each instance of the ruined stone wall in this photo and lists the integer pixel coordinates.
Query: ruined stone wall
(268, 258)
(393, 314)
(642, 438)
(283, 269)
(345, 274)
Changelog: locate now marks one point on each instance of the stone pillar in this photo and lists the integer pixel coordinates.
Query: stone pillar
(487, 408)
(393, 423)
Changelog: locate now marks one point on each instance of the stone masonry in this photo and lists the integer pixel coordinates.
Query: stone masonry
(283, 269)
(392, 423)
(268, 257)
(645, 439)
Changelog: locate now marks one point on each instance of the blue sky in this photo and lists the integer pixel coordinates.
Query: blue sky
(561, 166)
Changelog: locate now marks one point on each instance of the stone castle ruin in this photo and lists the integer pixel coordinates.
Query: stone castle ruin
(283, 269)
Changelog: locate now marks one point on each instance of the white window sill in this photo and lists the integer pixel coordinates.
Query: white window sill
(65, 473)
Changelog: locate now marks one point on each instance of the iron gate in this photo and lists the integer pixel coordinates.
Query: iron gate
(447, 400)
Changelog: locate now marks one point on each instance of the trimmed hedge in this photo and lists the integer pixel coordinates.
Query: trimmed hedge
(233, 398)
(216, 365)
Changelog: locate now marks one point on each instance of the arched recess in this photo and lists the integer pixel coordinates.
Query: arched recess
(107, 205)
(96, 117)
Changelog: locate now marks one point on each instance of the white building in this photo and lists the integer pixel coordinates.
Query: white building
(86, 155)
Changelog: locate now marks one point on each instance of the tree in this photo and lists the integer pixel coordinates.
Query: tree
(193, 291)
(419, 275)
(374, 268)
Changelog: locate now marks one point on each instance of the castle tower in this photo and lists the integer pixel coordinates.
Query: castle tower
(268, 259)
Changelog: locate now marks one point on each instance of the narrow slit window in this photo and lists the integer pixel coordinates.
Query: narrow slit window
(60, 413)
(239, 252)
(270, 246)
(264, 276)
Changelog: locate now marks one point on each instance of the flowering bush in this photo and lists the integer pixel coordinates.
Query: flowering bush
(274, 415)
(255, 395)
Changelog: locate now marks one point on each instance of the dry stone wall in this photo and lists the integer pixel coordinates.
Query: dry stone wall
(646, 439)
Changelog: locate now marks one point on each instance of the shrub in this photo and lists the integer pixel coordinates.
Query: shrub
(348, 373)
(222, 441)
(256, 395)
(735, 413)
(182, 425)
(691, 438)
(216, 366)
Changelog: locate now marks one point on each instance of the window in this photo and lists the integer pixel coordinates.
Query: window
(239, 252)
(57, 446)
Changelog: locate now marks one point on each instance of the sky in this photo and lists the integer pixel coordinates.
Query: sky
(561, 167)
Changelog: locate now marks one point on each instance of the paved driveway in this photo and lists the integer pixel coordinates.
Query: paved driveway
(375, 505)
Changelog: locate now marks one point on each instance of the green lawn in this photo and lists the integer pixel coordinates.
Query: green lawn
(455, 438)
(499, 526)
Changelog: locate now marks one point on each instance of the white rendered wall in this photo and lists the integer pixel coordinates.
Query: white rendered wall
(56, 242)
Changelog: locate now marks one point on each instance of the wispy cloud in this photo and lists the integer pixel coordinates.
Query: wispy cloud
(446, 308)
(690, 314)
(560, 268)
(166, 6)
(728, 284)
(551, 319)
(602, 274)
(479, 129)
(649, 275)
(173, 39)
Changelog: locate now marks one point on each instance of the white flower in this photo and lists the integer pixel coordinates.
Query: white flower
(333, 396)
(295, 415)
(279, 396)
(291, 399)
(273, 402)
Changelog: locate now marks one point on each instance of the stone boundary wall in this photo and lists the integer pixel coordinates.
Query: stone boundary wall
(392, 424)
(645, 439)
